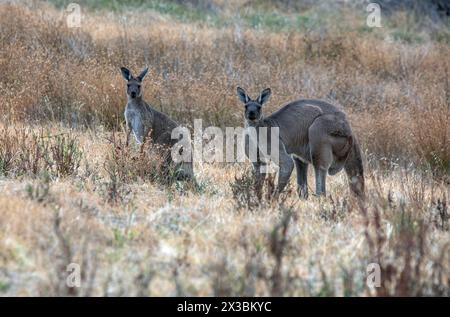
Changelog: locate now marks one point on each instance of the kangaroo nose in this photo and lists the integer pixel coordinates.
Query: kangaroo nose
(252, 115)
(133, 94)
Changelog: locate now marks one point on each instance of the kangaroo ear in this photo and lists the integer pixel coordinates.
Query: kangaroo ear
(125, 73)
(264, 97)
(142, 74)
(242, 95)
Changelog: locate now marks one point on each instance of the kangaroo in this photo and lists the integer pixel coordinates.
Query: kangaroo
(142, 120)
(313, 132)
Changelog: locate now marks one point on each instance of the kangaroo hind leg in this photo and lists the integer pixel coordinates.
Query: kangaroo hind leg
(341, 150)
(322, 158)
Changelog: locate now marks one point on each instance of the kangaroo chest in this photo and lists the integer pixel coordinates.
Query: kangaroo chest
(136, 116)
(262, 139)
(299, 149)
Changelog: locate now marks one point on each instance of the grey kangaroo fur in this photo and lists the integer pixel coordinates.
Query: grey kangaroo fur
(144, 121)
(313, 132)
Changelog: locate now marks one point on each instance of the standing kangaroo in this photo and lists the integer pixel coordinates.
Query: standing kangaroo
(310, 132)
(142, 120)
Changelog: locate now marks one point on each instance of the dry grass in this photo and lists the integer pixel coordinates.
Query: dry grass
(158, 240)
(397, 94)
(71, 192)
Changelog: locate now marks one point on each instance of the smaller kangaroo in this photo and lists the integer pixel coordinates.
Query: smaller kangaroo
(310, 132)
(142, 120)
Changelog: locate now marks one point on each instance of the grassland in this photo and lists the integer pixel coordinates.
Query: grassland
(71, 192)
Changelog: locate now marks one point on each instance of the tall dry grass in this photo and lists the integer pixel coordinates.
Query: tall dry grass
(133, 237)
(70, 192)
(397, 94)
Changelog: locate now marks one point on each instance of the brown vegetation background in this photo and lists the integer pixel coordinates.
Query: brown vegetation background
(70, 191)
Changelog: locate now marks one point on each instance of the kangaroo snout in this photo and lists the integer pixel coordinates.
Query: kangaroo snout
(252, 115)
(133, 94)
